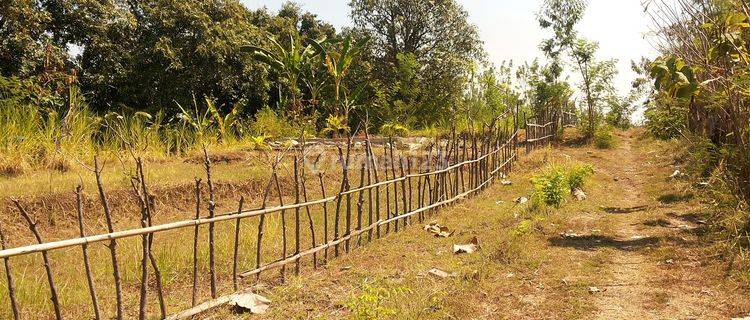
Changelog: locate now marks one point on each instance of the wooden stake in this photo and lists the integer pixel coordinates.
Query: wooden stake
(360, 203)
(211, 214)
(283, 225)
(237, 224)
(113, 242)
(195, 241)
(261, 223)
(296, 215)
(45, 257)
(325, 216)
(85, 252)
(9, 278)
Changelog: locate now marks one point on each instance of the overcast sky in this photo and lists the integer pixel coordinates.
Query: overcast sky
(510, 30)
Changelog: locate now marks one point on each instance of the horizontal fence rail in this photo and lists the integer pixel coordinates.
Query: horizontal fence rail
(458, 166)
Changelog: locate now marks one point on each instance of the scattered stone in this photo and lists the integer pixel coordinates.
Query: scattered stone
(521, 200)
(593, 290)
(669, 261)
(677, 174)
(506, 182)
(579, 194)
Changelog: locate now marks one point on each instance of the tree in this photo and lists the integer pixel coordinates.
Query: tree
(561, 17)
(436, 34)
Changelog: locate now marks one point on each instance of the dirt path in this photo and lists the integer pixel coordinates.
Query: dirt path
(631, 272)
(639, 228)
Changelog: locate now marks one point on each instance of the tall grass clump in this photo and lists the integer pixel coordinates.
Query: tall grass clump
(42, 136)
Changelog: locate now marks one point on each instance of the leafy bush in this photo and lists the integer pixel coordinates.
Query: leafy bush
(603, 137)
(394, 129)
(578, 174)
(552, 186)
(268, 123)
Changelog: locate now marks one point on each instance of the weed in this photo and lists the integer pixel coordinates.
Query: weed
(371, 303)
(603, 137)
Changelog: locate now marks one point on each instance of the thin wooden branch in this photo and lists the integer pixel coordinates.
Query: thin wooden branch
(211, 214)
(45, 257)
(235, 256)
(325, 215)
(196, 230)
(85, 252)
(112, 242)
(9, 278)
(296, 214)
(283, 225)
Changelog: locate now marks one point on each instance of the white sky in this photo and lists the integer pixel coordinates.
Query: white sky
(510, 30)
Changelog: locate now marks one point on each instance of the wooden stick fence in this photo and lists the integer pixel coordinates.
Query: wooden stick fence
(458, 166)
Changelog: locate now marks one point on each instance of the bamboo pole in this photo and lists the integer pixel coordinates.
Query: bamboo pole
(45, 257)
(85, 252)
(9, 278)
(112, 242)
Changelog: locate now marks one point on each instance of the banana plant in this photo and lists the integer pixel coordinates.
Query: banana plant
(339, 57)
(288, 63)
(227, 122)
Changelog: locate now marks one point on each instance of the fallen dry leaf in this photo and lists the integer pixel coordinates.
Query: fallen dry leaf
(506, 182)
(438, 230)
(467, 248)
(252, 302)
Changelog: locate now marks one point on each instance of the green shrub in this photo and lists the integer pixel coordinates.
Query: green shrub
(268, 123)
(603, 138)
(578, 174)
(551, 187)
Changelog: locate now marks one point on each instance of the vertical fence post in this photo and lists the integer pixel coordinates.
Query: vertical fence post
(195, 241)
(84, 249)
(235, 256)
(283, 225)
(296, 216)
(9, 278)
(113, 242)
(45, 257)
(211, 214)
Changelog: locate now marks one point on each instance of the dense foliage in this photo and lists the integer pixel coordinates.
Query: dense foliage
(702, 95)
